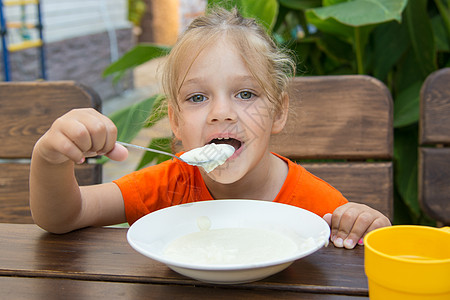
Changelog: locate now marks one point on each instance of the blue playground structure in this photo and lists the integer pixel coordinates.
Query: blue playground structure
(23, 26)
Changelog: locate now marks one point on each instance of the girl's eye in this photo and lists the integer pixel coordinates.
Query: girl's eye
(245, 95)
(197, 98)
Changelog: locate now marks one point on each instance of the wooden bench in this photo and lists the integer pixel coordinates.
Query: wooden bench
(27, 109)
(344, 118)
(434, 150)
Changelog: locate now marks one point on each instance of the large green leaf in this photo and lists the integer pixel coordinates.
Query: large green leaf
(135, 57)
(354, 20)
(390, 42)
(406, 72)
(130, 120)
(264, 11)
(223, 3)
(440, 34)
(443, 7)
(405, 155)
(300, 4)
(421, 36)
(332, 2)
(335, 48)
(406, 108)
(360, 12)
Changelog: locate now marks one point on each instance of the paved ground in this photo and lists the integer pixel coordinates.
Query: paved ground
(146, 84)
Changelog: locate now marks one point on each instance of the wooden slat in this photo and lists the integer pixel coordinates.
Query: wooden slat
(27, 109)
(337, 117)
(367, 183)
(14, 194)
(53, 288)
(434, 183)
(435, 109)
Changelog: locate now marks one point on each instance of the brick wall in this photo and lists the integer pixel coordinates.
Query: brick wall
(82, 59)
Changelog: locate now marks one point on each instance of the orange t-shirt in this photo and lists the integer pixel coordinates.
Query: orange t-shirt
(173, 182)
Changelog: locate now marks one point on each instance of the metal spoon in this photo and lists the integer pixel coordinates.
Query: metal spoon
(196, 163)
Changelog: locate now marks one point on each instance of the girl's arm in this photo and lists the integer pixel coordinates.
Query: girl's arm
(57, 203)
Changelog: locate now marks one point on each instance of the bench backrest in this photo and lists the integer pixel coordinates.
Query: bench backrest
(434, 150)
(348, 119)
(27, 109)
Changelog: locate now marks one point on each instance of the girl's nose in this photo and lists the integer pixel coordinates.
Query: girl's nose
(221, 110)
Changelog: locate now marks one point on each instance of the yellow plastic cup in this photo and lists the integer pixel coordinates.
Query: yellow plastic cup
(408, 262)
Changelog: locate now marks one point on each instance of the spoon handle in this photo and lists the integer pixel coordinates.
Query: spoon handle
(148, 149)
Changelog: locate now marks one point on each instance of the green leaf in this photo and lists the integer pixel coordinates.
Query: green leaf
(360, 12)
(353, 21)
(264, 11)
(227, 4)
(441, 38)
(405, 156)
(421, 36)
(135, 57)
(136, 9)
(406, 106)
(406, 72)
(300, 4)
(402, 214)
(159, 111)
(130, 120)
(332, 2)
(390, 42)
(163, 144)
(335, 48)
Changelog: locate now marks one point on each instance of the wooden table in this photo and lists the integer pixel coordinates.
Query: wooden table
(94, 263)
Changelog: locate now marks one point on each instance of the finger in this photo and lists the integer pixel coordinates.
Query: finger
(381, 221)
(65, 147)
(327, 218)
(97, 128)
(347, 220)
(104, 134)
(362, 223)
(76, 132)
(335, 221)
(119, 153)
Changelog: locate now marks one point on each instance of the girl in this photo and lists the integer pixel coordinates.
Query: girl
(225, 82)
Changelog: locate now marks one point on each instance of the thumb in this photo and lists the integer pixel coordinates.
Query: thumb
(118, 153)
(327, 218)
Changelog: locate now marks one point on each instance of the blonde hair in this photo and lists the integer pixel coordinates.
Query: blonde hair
(270, 66)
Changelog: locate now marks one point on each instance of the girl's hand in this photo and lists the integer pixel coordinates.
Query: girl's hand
(78, 134)
(350, 222)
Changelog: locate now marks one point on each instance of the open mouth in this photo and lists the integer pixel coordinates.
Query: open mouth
(230, 141)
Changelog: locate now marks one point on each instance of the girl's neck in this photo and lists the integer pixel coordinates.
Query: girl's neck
(262, 183)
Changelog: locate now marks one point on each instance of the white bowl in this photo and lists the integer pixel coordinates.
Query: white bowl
(151, 234)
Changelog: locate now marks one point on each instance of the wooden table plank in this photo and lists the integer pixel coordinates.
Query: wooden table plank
(52, 288)
(103, 254)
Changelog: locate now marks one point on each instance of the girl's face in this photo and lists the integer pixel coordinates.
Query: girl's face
(221, 102)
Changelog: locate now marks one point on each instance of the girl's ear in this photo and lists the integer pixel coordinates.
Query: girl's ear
(174, 121)
(280, 118)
